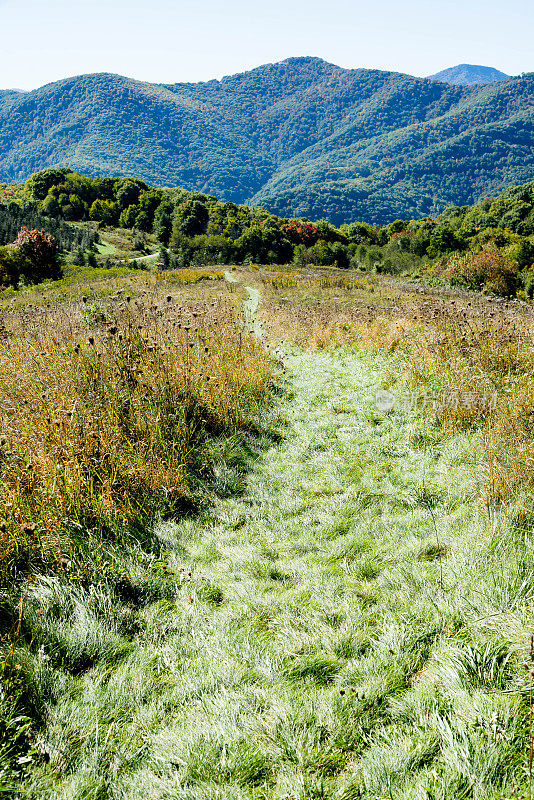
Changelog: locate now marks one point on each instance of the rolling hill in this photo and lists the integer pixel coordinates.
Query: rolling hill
(300, 137)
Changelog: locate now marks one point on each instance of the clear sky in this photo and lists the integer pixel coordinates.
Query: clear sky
(170, 41)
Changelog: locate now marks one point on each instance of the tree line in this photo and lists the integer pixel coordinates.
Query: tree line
(198, 229)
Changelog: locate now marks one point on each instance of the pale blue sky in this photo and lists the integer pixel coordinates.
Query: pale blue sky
(170, 41)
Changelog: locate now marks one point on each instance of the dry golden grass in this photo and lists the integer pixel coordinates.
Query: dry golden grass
(101, 403)
(283, 280)
(96, 284)
(185, 276)
(308, 280)
(475, 353)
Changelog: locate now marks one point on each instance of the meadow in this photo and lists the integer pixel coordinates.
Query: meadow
(247, 578)
(443, 341)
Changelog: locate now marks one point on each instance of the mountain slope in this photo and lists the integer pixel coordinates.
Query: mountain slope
(477, 148)
(301, 136)
(469, 75)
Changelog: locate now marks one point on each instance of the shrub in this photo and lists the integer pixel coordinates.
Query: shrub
(38, 256)
(489, 270)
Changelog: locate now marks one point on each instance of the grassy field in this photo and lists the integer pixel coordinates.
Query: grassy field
(102, 400)
(463, 348)
(345, 613)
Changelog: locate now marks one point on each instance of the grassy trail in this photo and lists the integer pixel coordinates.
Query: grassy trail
(342, 629)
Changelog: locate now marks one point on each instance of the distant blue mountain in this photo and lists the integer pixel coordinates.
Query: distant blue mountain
(469, 75)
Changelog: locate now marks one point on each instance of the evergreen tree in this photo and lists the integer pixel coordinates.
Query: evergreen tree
(164, 258)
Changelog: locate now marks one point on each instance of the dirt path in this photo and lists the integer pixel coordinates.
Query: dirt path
(251, 306)
(142, 258)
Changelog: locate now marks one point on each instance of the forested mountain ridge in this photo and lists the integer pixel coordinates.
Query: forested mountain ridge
(301, 137)
(479, 144)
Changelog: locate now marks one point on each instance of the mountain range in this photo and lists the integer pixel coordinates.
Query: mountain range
(299, 137)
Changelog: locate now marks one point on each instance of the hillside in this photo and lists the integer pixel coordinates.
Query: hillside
(469, 75)
(301, 137)
(267, 527)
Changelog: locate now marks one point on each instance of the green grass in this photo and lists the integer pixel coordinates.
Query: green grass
(106, 249)
(313, 635)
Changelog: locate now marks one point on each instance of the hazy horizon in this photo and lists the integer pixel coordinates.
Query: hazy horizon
(173, 42)
(256, 66)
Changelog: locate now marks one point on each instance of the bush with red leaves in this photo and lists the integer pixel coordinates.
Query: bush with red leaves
(489, 269)
(38, 252)
(301, 233)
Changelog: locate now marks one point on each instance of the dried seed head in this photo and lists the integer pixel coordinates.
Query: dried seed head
(28, 527)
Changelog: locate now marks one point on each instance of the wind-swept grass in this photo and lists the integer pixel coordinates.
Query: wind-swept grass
(470, 357)
(115, 411)
(297, 641)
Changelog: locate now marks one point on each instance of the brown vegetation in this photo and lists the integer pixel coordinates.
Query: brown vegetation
(102, 403)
